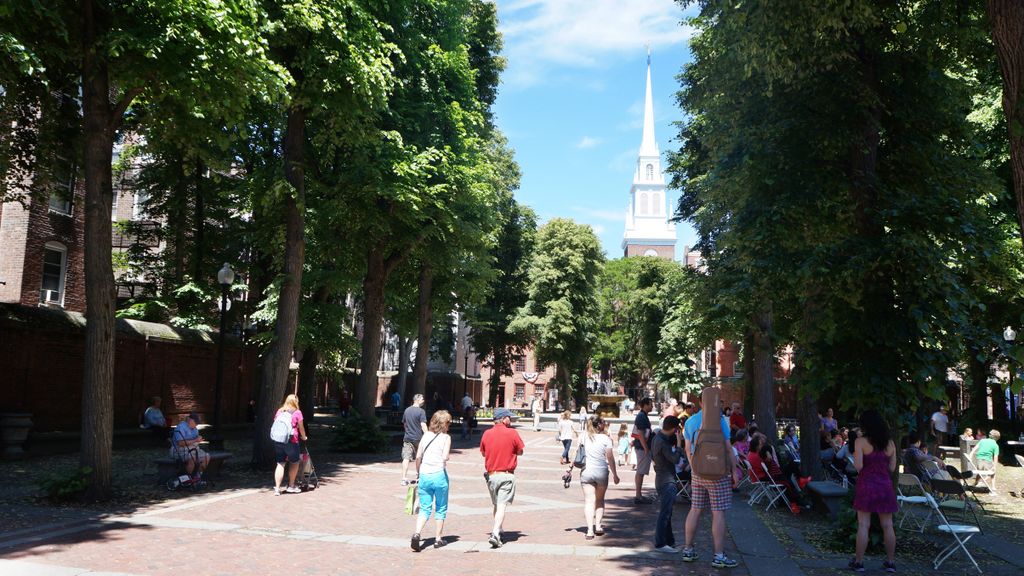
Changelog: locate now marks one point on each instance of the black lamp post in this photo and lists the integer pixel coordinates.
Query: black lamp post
(225, 277)
(1009, 335)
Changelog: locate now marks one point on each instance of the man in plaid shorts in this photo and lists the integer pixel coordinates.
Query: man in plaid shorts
(705, 493)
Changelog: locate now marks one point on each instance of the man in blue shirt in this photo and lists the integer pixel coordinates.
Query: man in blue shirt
(705, 493)
(185, 441)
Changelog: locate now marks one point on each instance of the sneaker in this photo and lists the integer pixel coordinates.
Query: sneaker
(856, 566)
(414, 542)
(889, 566)
(277, 491)
(723, 561)
(293, 490)
(667, 549)
(438, 543)
(689, 555)
(495, 541)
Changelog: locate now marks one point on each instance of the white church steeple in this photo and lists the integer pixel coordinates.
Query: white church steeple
(648, 229)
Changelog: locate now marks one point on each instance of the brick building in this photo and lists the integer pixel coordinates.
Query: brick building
(528, 380)
(42, 245)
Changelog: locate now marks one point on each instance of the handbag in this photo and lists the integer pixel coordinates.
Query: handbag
(581, 457)
(411, 504)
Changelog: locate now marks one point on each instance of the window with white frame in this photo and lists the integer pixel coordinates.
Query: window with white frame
(643, 204)
(520, 392)
(55, 263)
(139, 206)
(520, 363)
(63, 187)
(650, 172)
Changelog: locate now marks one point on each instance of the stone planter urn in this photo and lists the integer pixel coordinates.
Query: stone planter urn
(14, 428)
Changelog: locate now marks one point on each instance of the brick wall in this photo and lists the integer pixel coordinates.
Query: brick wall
(24, 232)
(42, 358)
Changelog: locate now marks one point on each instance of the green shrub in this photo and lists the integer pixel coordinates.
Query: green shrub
(358, 434)
(844, 535)
(68, 486)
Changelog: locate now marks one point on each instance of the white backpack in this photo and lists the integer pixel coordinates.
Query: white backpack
(281, 430)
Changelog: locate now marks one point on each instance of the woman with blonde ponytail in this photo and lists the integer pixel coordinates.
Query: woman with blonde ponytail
(594, 478)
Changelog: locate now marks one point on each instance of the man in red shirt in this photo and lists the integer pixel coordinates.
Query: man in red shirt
(501, 447)
(736, 419)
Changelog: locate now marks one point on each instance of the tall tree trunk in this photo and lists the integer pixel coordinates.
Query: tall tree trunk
(307, 383)
(497, 369)
(1007, 18)
(404, 351)
(309, 363)
(426, 328)
(276, 361)
(810, 443)
(199, 234)
(373, 318)
(763, 349)
(978, 371)
(99, 127)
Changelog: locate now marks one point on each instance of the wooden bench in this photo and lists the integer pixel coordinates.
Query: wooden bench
(167, 467)
(828, 495)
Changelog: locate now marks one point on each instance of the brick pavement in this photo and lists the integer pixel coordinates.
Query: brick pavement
(354, 524)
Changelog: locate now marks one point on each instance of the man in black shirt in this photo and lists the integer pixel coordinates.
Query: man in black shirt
(665, 454)
(415, 422)
(641, 444)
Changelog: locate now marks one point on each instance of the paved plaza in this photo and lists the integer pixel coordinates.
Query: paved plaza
(354, 524)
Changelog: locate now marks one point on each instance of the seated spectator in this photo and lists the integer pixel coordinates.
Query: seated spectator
(828, 450)
(985, 455)
(792, 442)
(914, 456)
(185, 441)
(979, 435)
(967, 435)
(761, 453)
(741, 442)
(736, 418)
(153, 419)
(844, 458)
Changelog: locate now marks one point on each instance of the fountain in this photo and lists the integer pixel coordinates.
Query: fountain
(607, 404)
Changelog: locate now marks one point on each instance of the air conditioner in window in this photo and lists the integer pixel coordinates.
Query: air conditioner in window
(50, 297)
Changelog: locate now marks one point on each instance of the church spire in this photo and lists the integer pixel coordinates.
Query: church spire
(648, 146)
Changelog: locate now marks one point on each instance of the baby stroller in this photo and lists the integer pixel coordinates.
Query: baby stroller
(307, 479)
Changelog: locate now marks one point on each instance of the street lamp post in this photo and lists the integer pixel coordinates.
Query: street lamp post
(225, 277)
(1009, 335)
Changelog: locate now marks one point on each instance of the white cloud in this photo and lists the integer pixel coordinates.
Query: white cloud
(540, 34)
(588, 142)
(598, 229)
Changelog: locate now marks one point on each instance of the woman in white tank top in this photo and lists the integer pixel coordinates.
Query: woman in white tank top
(431, 458)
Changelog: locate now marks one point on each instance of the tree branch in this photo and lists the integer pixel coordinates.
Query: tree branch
(117, 114)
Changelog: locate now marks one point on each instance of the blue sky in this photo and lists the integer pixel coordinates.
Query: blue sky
(571, 102)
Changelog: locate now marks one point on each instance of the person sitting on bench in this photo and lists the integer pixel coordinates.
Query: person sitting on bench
(185, 441)
(153, 420)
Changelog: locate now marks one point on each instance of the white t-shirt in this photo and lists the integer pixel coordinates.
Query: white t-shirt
(941, 422)
(565, 429)
(596, 448)
(433, 455)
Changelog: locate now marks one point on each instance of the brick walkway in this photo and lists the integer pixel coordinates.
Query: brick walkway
(354, 524)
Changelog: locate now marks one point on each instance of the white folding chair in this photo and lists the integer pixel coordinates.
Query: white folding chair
(910, 493)
(773, 490)
(757, 492)
(987, 477)
(745, 475)
(1020, 462)
(961, 533)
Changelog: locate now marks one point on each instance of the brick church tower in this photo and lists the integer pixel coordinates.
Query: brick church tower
(648, 229)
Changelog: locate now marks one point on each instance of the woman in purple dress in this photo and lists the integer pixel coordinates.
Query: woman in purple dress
(875, 460)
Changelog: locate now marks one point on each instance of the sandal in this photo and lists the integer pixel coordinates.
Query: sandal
(599, 532)
(589, 536)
